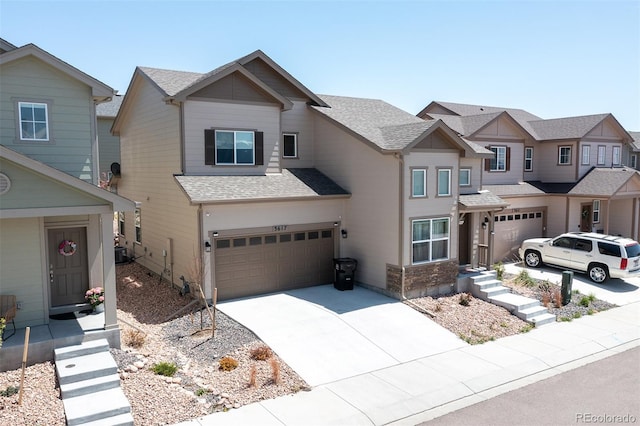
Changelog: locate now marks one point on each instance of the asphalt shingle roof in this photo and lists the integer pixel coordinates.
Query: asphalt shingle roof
(522, 188)
(291, 183)
(604, 182)
(109, 109)
(636, 140)
(467, 109)
(566, 128)
(172, 82)
(481, 199)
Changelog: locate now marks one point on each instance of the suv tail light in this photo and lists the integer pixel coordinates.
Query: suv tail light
(623, 263)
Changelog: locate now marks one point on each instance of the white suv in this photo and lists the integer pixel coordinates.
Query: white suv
(600, 256)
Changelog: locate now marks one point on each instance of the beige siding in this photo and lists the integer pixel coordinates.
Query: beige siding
(372, 213)
(593, 154)
(20, 268)
(213, 115)
(109, 146)
(71, 115)
(150, 135)
(501, 128)
(556, 212)
(515, 173)
(620, 217)
(432, 206)
(299, 120)
(549, 170)
(274, 80)
(475, 165)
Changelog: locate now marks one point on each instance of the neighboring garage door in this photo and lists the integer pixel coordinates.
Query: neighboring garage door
(255, 264)
(511, 228)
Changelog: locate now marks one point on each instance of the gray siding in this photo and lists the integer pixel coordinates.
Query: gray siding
(299, 120)
(71, 116)
(109, 146)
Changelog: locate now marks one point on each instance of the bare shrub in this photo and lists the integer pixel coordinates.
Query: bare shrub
(275, 371)
(253, 374)
(261, 353)
(134, 338)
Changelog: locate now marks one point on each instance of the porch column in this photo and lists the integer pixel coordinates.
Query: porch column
(492, 224)
(108, 271)
(606, 216)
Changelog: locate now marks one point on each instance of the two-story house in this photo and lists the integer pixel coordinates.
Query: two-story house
(56, 223)
(247, 173)
(569, 169)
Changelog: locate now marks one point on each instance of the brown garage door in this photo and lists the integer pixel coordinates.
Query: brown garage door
(256, 264)
(511, 228)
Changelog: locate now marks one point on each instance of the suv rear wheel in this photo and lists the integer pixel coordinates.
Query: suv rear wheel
(532, 258)
(598, 273)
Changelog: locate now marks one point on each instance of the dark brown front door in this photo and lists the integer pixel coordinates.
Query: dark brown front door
(68, 272)
(585, 218)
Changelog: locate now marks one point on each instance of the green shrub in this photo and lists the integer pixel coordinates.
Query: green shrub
(525, 279)
(499, 268)
(165, 368)
(3, 324)
(465, 299)
(9, 391)
(227, 364)
(201, 391)
(527, 328)
(584, 301)
(592, 297)
(577, 315)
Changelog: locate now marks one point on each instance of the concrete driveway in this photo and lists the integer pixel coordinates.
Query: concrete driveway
(617, 291)
(327, 335)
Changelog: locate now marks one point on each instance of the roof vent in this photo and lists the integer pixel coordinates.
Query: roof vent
(5, 184)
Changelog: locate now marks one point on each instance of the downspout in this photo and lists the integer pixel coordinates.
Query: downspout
(200, 246)
(400, 158)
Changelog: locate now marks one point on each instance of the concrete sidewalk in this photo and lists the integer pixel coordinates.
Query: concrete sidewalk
(425, 388)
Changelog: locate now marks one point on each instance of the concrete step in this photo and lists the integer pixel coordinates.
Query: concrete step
(84, 387)
(513, 302)
(494, 291)
(543, 319)
(485, 276)
(85, 348)
(97, 406)
(528, 313)
(488, 284)
(119, 420)
(85, 367)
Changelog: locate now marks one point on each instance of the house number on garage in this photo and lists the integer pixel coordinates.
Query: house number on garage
(280, 228)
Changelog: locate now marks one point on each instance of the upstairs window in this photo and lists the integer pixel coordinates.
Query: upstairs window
(233, 147)
(564, 155)
(634, 161)
(602, 154)
(289, 145)
(586, 155)
(615, 156)
(418, 182)
(34, 121)
(500, 160)
(444, 182)
(528, 158)
(464, 178)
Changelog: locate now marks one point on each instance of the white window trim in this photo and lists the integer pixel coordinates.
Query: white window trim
(448, 194)
(431, 240)
(528, 158)
(615, 156)
(602, 155)
(138, 226)
(596, 211)
(497, 151)
(121, 223)
(235, 156)
(295, 145)
(468, 172)
(560, 149)
(424, 182)
(634, 161)
(586, 155)
(46, 112)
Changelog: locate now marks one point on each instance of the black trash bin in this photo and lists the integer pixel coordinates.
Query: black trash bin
(345, 271)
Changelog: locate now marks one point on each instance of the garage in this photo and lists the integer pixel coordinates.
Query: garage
(247, 265)
(514, 226)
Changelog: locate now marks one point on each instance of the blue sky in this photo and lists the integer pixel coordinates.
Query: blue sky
(552, 58)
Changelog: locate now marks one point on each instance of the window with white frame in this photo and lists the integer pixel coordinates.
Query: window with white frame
(34, 121)
(528, 158)
(586, 155)
(430, 240)
(289, 145)
(602, 155)
(121, 223)
(499, 160)
(634, 161)
(564, 155)
(615, 156)
(418, 182)
(596, 211)
(464, 178)
(234, 147)
(444, 182)
(138, 222)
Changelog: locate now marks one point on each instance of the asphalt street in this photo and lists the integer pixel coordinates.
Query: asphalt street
(603, 392)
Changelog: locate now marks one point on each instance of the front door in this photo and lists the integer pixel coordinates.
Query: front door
(68, 271)
(585, 218)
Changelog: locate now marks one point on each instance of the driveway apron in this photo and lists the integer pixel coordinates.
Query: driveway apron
(327, 335)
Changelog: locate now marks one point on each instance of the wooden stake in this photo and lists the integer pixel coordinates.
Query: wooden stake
(24, 362)
(215, 299)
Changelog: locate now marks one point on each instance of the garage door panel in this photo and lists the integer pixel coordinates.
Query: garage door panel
(266, 263)
(513, 228)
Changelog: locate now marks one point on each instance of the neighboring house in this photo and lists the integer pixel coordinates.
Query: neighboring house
(246, 171)
(48, 189)
(569, 169)
(633, 153)
(109, 146)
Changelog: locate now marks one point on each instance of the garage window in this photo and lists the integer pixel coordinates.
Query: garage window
(430, 240)
(327, 234)
(313, 235)
(223, 244)
(255, 241)
(240, 242)
(300, 236)
(285, 238)
(270, 239)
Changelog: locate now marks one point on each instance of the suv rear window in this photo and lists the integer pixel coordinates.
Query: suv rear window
(633, 250)
(609, 249)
